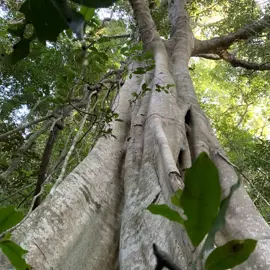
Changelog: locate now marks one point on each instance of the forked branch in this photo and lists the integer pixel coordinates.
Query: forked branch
(231, 59)
(216, 44)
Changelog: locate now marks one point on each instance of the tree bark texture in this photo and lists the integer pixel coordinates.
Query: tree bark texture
(97, 217)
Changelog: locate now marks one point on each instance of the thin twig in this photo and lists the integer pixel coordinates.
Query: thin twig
(3, 136)
(16, 192)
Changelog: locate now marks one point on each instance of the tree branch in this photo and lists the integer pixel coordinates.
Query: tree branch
(23, 220)
(146, 24)
(17, 156)
(74, 142)
(3, 136)
(64, 111)
(16, 192)
(220, 43)
(117, 36)
(230, 58)
(210, 56)
(47, 152)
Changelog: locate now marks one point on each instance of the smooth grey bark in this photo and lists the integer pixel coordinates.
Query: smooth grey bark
(99, 211)
(78, 226)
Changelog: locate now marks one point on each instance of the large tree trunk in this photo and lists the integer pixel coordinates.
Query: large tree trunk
(96, 218)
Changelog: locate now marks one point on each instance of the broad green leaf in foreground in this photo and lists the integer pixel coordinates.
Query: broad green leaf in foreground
(200, 198)
(14, 253)
(9, 217)
(175, 199)
(165, 211)
(45, 17)
(231, 254)
(220, 220)
(87, 13)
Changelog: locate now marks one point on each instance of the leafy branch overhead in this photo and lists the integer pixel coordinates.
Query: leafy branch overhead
(50, 18)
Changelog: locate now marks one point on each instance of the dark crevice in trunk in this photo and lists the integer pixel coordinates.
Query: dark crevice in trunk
(180, 161)
(156, 198)
(189, 132)
(163, 260)
(188, 117)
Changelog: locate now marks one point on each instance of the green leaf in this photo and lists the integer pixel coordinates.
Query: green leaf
(45, 18)
(14, 253)
(165, 211)
(103, 56)
(176, 198)
(9, 217)
(231, 254)
(150, 67)
(124, 50)
(144, 86)
(50, 18)
(20, 51)
(3, 30)
(139, 70)
(87, 13)
(169, 86)
(95, 3)
(220, 220)
(200, 198)
(6, 236)
(16, 29)
(148, 55)
(157, 3)
(103, 39)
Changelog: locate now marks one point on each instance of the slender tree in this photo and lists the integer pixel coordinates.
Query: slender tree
(96, 217)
